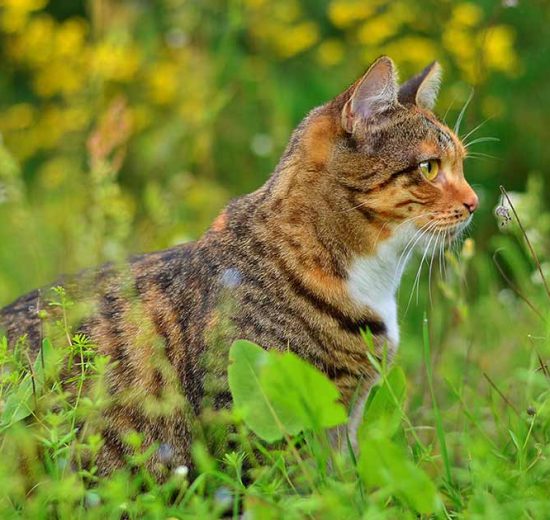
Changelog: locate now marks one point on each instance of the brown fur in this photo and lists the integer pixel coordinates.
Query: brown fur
(273, 268)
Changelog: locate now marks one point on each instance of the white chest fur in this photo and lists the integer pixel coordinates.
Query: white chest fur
(373, 280)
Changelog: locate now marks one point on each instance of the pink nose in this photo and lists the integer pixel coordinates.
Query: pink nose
(471, 201)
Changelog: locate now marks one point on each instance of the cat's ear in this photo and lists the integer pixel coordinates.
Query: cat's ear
(422, 89)
(374, 93)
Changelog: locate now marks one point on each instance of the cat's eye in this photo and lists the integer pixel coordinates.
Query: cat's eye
(429, 169)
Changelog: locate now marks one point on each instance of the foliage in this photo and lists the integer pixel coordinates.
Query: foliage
(280, 394)
(127, 125)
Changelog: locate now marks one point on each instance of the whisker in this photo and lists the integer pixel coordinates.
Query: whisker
(463, 138)
(479, 155)
(409, 250)
(448, 109)
(482, 140)
(462, 112)
(406, 221)
(431, 265)
(442, 264)
(417, 278)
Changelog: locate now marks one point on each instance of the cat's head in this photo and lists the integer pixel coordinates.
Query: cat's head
(395, 160)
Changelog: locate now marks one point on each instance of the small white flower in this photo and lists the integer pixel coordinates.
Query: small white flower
(181, 471)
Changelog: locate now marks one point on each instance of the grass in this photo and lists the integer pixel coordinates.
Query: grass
(458, 428)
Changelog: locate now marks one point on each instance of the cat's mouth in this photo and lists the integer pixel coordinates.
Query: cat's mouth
(451, 232)
(454, 232)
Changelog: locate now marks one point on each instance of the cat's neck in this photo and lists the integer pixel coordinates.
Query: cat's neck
(354, 264)
(373, 279)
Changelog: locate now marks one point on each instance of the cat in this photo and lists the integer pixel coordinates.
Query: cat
(305, 263)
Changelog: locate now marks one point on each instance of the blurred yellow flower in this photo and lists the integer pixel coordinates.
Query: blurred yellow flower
(344, 13)
(460, 43)
(330, 52)
(164, 82)
(15, 13)
(17, 117)
(467, 14)
(498, 48)
(23, 5)
(35, 45)
(376, 30)
(296, 39)
(115, 62)
(70, 37)
(414, 51)
(287, 11)
(59, 77)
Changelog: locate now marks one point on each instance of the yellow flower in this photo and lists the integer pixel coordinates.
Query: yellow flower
(498, 48)
(286, 11)
(343, 13)
(115, 62)
(164, 82)
(17, 117)
(59, 77)
(413, 51)
(376, 30)
(330, 52)
(467, 14)
(296, 39)
(459, 43)
(70, 37)
(15, 13)
(35, 45)
(23, 5)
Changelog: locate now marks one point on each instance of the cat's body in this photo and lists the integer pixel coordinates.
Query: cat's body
(304, 263)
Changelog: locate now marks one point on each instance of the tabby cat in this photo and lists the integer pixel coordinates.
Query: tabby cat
(305, 263)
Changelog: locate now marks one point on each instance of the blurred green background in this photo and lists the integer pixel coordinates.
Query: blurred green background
(127, 125)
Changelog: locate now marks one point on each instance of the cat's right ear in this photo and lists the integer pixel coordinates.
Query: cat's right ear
(374, 93)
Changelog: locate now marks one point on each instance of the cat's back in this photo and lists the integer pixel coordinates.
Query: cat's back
(107, 294)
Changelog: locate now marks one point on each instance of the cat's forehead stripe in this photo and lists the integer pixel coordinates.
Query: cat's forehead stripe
(443, 138)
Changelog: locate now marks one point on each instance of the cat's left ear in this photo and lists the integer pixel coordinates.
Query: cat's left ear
(422, 89)
(372, 94)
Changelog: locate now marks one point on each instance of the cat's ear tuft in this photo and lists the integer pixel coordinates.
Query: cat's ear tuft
(422, 89)
(374, 93)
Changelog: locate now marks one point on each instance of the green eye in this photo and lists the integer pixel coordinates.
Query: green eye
(429, 169)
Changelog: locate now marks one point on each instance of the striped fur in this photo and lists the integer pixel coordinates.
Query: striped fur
(304, 263)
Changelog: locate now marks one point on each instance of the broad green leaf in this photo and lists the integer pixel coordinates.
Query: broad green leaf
(260, 413)
(303, 391)
(384, 464)
(280, 393)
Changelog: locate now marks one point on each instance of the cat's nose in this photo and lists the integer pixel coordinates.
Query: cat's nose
(471, 201)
